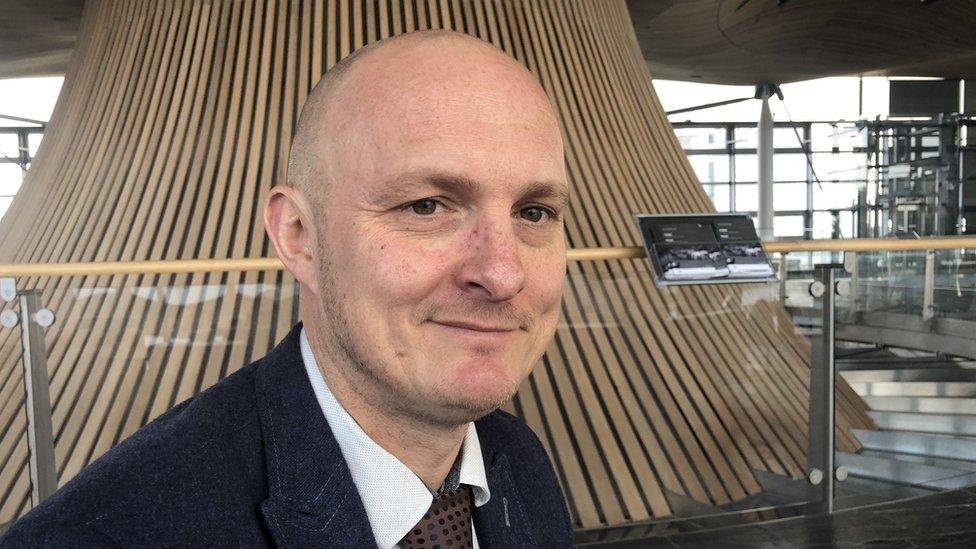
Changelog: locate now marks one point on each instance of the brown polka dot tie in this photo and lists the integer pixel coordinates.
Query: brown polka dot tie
(447, 523)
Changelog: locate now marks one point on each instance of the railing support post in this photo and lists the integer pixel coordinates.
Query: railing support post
(820, 428)
(851, 266)
(782, 278)
(928, 299)
(40, 435)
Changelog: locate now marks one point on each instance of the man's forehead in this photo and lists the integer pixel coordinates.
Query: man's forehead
(427, 54)
(427, 76)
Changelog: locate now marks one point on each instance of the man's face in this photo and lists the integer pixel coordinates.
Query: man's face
(441, 240)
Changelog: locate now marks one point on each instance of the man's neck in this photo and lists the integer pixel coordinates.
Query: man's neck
(428, 449)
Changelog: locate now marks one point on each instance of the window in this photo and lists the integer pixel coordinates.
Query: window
(788, 226)
(711, 168)
(729, 172)
(719, 195)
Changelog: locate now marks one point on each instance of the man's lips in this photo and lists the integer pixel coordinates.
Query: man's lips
(475, 327)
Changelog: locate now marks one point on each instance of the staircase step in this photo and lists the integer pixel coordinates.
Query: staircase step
(925, 405)
(960, 464)
(916, 388)
(905, 472)
(912, 374)
(926, 423)
(943, 446)
(917, 363)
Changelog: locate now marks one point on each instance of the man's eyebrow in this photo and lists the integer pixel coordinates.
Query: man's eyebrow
(396, 188)
(545, 190)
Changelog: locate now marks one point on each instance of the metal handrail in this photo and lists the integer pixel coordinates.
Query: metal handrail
(574, 254)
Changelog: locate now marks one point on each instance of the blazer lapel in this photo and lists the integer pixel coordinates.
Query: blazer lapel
(502, 521)
(312, 500)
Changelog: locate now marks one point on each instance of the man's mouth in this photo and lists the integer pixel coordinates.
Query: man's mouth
(476, 326)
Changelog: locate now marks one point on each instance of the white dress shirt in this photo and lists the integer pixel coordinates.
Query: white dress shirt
(394, 497)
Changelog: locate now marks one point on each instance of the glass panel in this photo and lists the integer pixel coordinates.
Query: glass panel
(746, 138)
(840, 137)
(717, 326)
(701, 138)
(891, 282)
(10, 178)
(8, 146)
(847, 224)
(4, 205)
(787, 138)
(790, 167)
(746, 168)
(834, 196)
(783, 138)
(840, 166)
(124, 349)
(789, 196)
(787, 226)
(710, 168)
(14, 469)
(954, 294)
(719, 195)
(823, 225)
(33, 142)
(746, 197)
(899, 360)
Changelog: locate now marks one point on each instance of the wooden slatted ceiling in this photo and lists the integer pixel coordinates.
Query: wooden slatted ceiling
(175, 120)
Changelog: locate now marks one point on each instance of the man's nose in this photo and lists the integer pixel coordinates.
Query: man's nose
(491, 267)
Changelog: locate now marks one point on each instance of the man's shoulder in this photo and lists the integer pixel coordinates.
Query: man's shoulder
(501, 431)
(200, 461)
(531, 472)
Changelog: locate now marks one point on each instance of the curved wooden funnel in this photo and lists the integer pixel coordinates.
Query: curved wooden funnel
(175, 120)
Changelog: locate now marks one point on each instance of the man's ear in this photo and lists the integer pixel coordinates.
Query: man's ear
(287, 218)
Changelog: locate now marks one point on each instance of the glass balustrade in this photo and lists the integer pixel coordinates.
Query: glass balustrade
(664, 409)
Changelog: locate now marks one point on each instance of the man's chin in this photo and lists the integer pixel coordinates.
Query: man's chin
(467, 408)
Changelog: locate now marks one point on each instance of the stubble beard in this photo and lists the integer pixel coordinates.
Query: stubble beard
(378, 390)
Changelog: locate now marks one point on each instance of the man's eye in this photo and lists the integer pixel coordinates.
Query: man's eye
(534, 214)
(426, 206)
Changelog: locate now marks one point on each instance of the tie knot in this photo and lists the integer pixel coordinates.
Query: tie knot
(446, 525)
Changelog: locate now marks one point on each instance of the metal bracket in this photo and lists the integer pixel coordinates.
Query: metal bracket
(817, 289)
(841, 473)
(8, 289)
(9, 319)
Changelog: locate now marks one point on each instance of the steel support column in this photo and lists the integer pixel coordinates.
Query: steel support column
(764, 151)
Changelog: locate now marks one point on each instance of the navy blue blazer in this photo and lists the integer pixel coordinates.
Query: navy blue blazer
(252, 462)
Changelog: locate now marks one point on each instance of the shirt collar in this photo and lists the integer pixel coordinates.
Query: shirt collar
(394, 497)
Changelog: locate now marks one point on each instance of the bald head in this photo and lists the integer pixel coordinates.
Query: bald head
(403, 81)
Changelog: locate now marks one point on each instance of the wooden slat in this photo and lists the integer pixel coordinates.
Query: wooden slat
(175, 120)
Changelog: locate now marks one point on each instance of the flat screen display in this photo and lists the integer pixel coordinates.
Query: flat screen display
(704, 249)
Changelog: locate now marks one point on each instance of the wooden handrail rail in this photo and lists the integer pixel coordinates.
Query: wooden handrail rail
(573, 254)
(872, 244)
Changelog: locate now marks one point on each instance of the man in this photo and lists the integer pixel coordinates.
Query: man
(423, 220)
